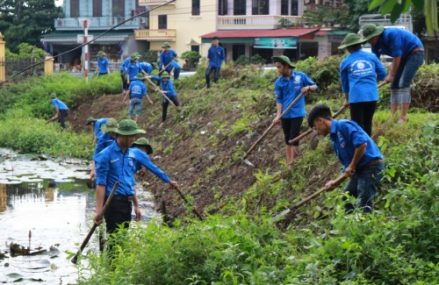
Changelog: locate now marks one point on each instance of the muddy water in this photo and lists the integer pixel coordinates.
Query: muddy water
(49, 200)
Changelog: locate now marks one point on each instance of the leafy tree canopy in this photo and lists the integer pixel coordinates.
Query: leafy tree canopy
(26, 20)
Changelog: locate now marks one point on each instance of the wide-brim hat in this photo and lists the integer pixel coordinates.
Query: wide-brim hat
(135, 56)
(371, 30)
(145, 143)
(101, 53)
(283, 59)
(110, 126)
(166, 45)
(165, 74)
(351, 39)
(128, 127)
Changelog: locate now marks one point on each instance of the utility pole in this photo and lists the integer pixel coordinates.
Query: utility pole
(85, 24)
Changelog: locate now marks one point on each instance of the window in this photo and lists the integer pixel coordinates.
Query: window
(260, 7)
(284, 8)
(163, 22)
(238, 50)
(74, 8)
(195, 48)
(222, 7)
(239, 7)
(294, 8)
(195, 7)
(97, 8)
(118, 8)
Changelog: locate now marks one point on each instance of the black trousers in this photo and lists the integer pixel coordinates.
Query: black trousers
(362, 114)
(165, 106)
(216, 75)
(118, 214)
(62, 118)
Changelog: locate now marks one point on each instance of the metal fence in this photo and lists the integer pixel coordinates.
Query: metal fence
(15, 66)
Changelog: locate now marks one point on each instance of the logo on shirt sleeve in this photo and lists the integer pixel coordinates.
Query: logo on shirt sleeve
(297, 79)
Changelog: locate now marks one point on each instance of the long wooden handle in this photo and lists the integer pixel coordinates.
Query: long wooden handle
(187, 202)
(272, 125)
(95, 225)
(160, 90)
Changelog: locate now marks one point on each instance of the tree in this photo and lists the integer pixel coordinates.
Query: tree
(26, 20)
(397, 7)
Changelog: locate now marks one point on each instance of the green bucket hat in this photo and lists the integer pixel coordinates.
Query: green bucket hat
(165, 74)
(283, 59)
(110, 126)
(128, 127)
(166, 45)
(145, 143)
(371, 30)
(135, 56)
(351, 39)
(101, 53)
(90, 120)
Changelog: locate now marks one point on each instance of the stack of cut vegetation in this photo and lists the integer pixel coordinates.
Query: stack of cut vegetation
(426, 86)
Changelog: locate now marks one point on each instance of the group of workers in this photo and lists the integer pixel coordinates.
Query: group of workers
(118, 155)
(360, 72)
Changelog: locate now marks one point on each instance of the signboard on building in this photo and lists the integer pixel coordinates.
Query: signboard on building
(276, 43)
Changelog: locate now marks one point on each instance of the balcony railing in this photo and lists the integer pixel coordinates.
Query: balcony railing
(154, 2)
(254, 22)
(155, 35)
(97, 23)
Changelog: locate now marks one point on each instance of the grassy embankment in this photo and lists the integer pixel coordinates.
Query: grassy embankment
(397, 244)
(26, 107)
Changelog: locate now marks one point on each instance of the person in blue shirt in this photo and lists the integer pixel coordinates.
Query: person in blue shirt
(132, 69)
(137, 92)
(61, 110)
(215, 55)
(359, 73)
(357, 152)
(407, 52)
(102, 63)
(167, 87)
(123, 68)
(287, 87)
(119, 162)
(146, 67)
(144, 145)
(167, 61)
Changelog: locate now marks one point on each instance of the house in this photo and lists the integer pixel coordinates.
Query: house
(101, 15)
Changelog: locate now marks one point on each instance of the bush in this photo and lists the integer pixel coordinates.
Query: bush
(191, 59)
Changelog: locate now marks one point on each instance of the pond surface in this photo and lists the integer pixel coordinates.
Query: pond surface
(50, 202)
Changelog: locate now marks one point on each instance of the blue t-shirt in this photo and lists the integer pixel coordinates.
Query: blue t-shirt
(103, 65)
(137, 89)
(166, 57)
(215, 56)
(98, 126)
(396, 42)
(112, 165)
(359, 73)
(146, 67)
(346, 136)
(60, 105)
(287, 89)
(144, 160)
(124, 65)
(168, 86)
(132, 70)
(103, 140)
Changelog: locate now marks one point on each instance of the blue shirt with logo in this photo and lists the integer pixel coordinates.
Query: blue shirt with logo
(113, 165)
(60, 105)
(166, 57)
(103, 65)
(103, 140)
(359, 73)
(132, 70)
(396, 42)
(168, 86)
(346, 136)
(137, 89)
(287, 89)
(215, 56)
(146, 67)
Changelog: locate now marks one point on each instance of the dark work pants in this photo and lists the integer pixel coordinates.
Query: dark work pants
(62, 118)
(362, 114)
(165, 105)
(216, 74)
(118, 214)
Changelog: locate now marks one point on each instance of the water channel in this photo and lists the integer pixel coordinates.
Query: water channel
(48, 201)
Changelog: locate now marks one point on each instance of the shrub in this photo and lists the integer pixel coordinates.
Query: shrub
(191, 59)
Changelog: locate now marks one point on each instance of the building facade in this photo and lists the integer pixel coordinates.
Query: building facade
(101, 15)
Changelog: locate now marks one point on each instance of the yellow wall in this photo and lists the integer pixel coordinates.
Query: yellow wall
(189, 28)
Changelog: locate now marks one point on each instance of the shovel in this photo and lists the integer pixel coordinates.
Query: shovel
(244, 158)
(160, 90)
(187, 203)
(284, 218)
(95, 225)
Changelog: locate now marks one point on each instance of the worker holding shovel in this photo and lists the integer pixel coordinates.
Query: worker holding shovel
(137, 92)
(118, 162)
(167, 88)
(61, 110)
(357, 152)
(359, 73)
(167, 61)
(289, 85)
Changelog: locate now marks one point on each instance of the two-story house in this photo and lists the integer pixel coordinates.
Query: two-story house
(244, 27)
(101, 15)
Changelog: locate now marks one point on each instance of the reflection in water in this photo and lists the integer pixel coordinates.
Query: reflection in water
(3, 197)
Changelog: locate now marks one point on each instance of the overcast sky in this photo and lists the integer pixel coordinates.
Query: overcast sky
(58, 2)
